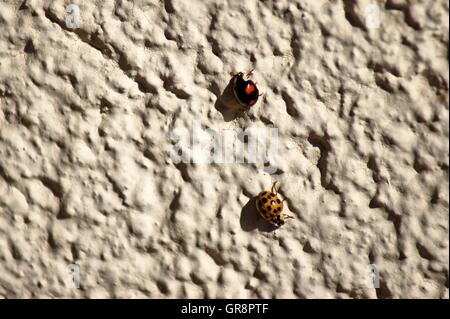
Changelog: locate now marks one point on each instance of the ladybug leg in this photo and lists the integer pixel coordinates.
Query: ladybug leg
(287, 216)
(260, 94)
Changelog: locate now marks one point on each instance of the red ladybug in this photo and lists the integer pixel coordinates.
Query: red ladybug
(244, 89)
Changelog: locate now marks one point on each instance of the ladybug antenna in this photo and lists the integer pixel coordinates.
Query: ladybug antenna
(249, 73)
(273, 187)
(236, 74)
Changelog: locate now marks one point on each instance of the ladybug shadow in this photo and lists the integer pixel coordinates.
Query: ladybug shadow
(227, 105)
(251, 219)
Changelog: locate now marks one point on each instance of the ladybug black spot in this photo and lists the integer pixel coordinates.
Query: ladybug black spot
(269, 208)
(278, 200)
(264, 200)
(278, 209)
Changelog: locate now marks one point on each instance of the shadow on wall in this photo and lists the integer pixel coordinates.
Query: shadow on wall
(224, 104)
(251, 219)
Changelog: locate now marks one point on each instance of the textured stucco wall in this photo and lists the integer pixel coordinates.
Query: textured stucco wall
(86, 177)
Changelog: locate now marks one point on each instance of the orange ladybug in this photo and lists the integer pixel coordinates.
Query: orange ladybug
(270, 206)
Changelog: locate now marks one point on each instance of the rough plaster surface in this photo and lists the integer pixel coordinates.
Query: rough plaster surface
(86, 175)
